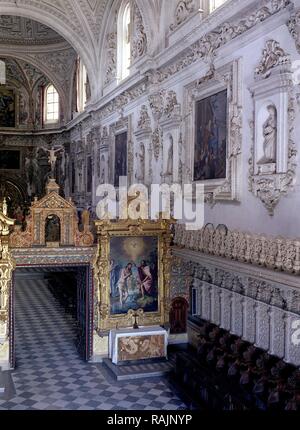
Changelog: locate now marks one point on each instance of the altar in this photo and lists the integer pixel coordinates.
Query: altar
(137, 344)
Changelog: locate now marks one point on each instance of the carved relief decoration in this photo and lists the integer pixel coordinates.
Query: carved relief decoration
(139, 38)
(144, 121)
(207, 46)
(294, 28)
(274, 253)
(273, 56)
(7, 265)
(234, 297)
(111, 54)
(183, 10)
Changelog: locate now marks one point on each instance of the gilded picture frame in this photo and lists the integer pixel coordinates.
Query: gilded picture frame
(141, 229)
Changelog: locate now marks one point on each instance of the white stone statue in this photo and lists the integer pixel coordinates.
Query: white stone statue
(169, 171)
(270, 136)
(52, 158)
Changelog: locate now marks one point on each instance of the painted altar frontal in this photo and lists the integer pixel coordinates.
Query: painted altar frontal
(131, 345)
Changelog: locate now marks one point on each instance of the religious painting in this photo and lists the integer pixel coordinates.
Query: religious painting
(7, 108)
(133, 274)
(211, 138)
(10, 160)
(120, 157)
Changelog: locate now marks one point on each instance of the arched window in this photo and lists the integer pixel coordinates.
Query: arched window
(124, 40)
(51, 105)
(214, 4)
(82, 83)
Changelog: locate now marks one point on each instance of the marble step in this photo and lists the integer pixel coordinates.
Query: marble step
(136, 371)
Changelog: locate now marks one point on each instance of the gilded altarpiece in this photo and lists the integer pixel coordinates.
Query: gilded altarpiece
(52, 206)
(144, 272)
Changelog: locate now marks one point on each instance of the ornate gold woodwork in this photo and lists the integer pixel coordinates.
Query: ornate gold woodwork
(52, 204)
(7, 266)
(126, 228)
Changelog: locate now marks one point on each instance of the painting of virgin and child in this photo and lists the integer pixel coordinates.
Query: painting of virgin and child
(133, 274)
(211, 138)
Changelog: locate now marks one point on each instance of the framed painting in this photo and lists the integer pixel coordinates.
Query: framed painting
(121, 141)
(132, 272)
(7, 108)
(211, 137)
(214, 130)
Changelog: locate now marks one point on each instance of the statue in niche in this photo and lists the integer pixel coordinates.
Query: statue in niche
(270, 137)
(52, 229)
(140, 176)
(169, 171)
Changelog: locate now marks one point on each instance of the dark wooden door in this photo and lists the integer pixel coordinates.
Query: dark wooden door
(178, 315)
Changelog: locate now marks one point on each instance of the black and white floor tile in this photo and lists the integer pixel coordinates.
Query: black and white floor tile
(50, 374)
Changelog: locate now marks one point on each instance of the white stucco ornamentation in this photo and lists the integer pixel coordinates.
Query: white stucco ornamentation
(139, 37)
(294, 28)
(183, 9)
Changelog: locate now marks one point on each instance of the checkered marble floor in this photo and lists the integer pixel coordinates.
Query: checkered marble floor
(51, 376)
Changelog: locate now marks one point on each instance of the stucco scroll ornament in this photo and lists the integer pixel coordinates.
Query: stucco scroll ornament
(156, 102)
(183, 9)
(294, 28)
(111, 68)
(157, 142)
(139, 43)
(164, 104)
(273, 55)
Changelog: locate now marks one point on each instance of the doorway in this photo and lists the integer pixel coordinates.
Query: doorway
(64, 293)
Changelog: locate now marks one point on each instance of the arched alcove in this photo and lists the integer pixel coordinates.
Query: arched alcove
(52, 229)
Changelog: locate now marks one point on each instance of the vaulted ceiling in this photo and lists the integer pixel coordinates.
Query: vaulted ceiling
(24, 31)
(82, 23)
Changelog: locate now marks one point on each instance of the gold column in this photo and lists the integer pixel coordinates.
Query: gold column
(7, 266)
